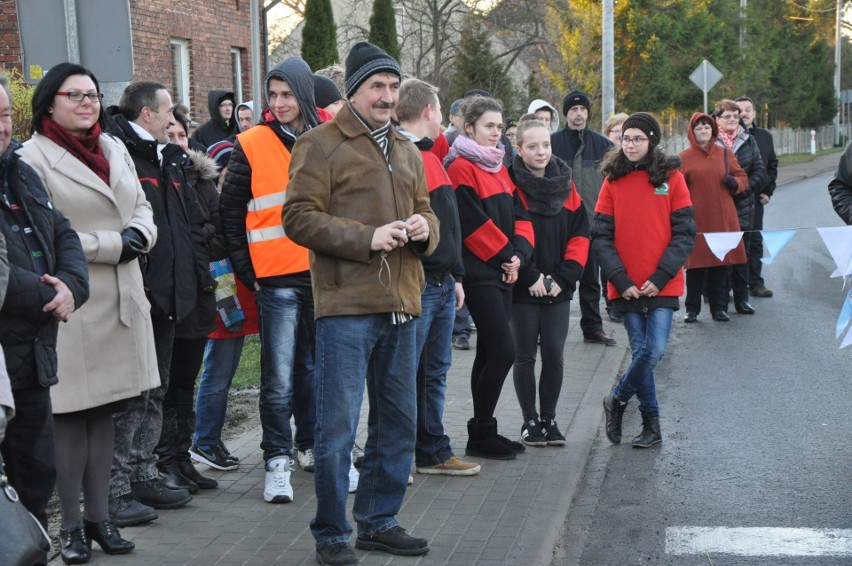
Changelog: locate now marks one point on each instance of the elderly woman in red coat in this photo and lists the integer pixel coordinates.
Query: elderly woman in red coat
(713, 176)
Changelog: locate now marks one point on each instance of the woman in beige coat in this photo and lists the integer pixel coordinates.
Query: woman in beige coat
(106, 352)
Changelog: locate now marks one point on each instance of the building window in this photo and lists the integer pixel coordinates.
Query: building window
(180, 70)
(237, 69)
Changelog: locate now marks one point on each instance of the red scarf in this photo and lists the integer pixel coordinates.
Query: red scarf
(86, 149)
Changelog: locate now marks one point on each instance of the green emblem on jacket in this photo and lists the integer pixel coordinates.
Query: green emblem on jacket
(662, 189)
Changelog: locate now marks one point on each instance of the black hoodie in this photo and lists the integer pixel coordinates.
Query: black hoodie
(217, 129)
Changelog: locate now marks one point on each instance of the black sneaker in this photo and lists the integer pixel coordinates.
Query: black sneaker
(338, 554)
(154, 493)
(215, 458)
(461, 343)
(394, 540)
(552, 434)
(532, 435)
(125, 511)
(227, 453)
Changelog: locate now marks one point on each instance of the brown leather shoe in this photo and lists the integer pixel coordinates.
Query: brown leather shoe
(760, 291)
(599, 338)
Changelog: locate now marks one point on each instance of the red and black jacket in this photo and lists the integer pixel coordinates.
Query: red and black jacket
(495, 224)
(561, 226)
(447, 257)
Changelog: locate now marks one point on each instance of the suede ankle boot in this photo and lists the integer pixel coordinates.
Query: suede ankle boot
(650, 434)
(483, 442)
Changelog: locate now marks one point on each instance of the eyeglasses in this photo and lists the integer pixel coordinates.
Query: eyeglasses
(226, 104)
(638, 140)
(77, 96)
(730, 117)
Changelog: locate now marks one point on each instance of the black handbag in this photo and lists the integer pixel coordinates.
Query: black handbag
(23, 541)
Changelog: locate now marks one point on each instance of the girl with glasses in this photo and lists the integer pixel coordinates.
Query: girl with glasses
(642, 232)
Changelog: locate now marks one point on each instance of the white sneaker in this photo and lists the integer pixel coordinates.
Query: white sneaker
(410, 479)
(306, 459)
(354, 476)
(357, 455)
(277, 488)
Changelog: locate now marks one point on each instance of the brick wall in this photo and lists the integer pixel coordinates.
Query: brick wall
(210, 27)
(10, 42)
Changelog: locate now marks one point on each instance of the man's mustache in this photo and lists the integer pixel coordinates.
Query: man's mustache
(384, 105)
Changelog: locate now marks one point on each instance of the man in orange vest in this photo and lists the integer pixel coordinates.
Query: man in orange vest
(266, 260)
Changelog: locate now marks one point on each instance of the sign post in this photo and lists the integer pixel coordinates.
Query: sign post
(705, 76)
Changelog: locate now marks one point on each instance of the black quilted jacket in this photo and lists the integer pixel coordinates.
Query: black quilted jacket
(28, 334)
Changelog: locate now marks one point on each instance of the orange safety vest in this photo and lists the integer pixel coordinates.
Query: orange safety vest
(272, 252)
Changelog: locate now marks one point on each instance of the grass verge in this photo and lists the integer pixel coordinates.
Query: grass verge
(791, 158)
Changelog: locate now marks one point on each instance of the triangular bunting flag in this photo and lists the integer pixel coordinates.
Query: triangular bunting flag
(843, 318)
(838, 240)
(720, 243)
(775, 241)
(846, 340)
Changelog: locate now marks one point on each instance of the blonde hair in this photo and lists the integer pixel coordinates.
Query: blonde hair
(414, 96)
(528, 124)
(614, 121)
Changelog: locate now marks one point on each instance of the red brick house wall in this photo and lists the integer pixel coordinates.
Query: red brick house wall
(210, 27)
(10, 42)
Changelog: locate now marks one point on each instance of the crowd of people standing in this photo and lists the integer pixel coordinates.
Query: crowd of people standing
(340, 222)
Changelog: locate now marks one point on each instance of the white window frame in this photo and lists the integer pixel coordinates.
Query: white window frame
(180, 67)
(237, 68)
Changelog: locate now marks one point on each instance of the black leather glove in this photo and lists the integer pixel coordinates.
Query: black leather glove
(730, 182)
(132, 245)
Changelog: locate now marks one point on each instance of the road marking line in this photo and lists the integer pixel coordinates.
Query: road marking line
(758, 541)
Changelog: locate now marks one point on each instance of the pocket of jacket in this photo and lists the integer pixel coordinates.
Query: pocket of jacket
(46, 362)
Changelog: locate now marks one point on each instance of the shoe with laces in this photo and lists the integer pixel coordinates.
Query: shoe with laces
(337, 554)
(306, 459)
(215, 458)
(532, 434)
(277, 488)
(125, 511)
(154, 493)
(357, 455)
(551, 433)
(454, 466)
(227, 453)
(395, 541)
(354, 476)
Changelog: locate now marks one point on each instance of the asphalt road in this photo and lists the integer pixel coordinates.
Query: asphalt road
(756, 424)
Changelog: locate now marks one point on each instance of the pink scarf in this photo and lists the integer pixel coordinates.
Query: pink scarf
(729, 139)
(486, 158)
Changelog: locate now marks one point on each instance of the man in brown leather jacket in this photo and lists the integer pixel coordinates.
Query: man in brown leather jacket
(358, 200)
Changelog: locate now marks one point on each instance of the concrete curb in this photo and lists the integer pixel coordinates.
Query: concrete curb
(539, 538)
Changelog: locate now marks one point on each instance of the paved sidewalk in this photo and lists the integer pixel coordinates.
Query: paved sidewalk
(511, 513)
(816, 166)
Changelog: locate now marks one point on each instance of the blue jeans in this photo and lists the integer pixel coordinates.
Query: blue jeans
(287, 338)
(221, 359)
(352, 351)
(434, 352)
(649, 335)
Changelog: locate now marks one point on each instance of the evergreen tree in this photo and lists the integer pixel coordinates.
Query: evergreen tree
(383, 28)
(319, 35)
(478, 67)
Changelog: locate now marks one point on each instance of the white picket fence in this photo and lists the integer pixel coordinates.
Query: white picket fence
(787, 140)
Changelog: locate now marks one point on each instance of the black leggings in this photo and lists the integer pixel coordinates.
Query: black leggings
(490, 308)
(549, 322)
